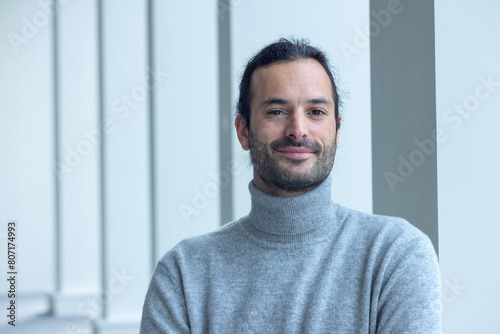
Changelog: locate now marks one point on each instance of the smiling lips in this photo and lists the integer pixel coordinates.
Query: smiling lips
(296, 152)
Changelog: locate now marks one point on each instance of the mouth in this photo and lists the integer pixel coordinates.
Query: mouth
(296, 152)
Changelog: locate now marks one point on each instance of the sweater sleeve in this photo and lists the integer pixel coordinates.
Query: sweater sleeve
(410, 294)
(164, 309)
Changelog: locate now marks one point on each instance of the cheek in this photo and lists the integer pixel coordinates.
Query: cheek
(324, 134)
(266, 132)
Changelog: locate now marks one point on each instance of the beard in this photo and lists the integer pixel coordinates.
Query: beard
(268, 168)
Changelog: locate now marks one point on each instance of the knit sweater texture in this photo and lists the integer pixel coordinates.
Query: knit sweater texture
(301, 264)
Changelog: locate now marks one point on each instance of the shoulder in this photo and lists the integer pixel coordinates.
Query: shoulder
(198, 248)
(382, 236)
(372, 225)
(392, 248)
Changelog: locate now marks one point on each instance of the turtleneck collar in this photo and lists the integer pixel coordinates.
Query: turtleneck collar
(301, 219)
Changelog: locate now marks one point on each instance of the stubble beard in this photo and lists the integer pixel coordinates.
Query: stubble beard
(268, 168)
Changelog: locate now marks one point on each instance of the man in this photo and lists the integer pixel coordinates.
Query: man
(299, 262)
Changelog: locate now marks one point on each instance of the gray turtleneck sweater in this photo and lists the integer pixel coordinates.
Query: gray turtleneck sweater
(298, 265)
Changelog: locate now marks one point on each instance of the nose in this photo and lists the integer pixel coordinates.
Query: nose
(296, 128)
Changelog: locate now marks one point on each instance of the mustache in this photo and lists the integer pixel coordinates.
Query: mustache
(285, 142)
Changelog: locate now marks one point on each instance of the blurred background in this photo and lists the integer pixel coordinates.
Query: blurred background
(117, 140)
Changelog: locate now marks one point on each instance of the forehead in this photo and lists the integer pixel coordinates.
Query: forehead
(302, 79)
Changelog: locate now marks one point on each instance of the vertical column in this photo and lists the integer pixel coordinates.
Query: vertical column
(79, 147)
(186, 121)
(468, 99)
(225, 109)
(404, 112)
(27, 145)
(152, 134)
(125, 81)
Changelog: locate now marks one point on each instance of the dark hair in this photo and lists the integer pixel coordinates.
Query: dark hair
(283, 50)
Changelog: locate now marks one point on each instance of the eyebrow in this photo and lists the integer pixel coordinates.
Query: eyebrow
(319, 101)
(275, 100)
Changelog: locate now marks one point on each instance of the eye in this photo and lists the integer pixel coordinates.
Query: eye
(317, 112)
(275, 112)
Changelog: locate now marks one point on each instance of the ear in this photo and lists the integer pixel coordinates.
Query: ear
(242, 131)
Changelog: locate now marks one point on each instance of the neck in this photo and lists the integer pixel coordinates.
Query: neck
(304, 217)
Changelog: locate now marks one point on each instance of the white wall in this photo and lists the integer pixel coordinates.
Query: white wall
(330, 26)
(467, 55)
(78, 128)
(186, 121)
(126, 162)
(83, 132)
(27, 147)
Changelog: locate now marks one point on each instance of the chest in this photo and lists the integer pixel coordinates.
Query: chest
(286, 291)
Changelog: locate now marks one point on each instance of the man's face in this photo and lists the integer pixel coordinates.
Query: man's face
(292, 137)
